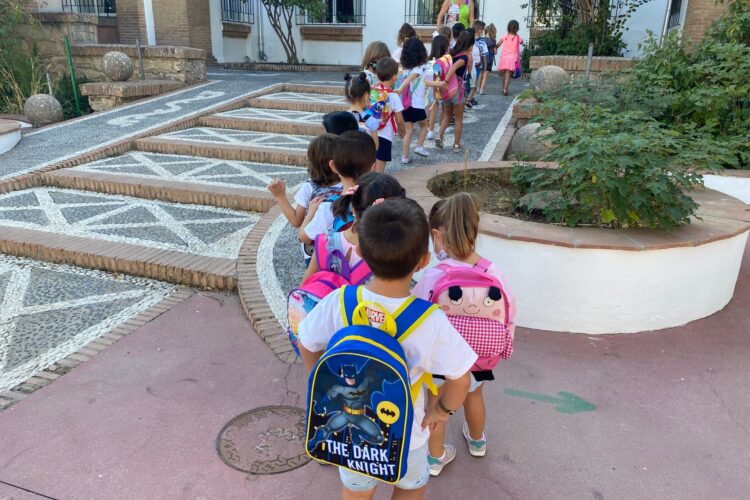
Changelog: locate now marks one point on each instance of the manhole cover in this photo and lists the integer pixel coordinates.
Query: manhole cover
(265, 440)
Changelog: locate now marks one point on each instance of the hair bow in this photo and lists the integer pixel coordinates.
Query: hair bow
(350, 191)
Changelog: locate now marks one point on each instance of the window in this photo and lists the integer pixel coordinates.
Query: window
(237, 11)
(104, 8)
(337, 12)
(675, 9)
(422, 12)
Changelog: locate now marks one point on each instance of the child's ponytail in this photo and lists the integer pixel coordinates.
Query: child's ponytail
(458, 219)
(356, 87)
(372, 187)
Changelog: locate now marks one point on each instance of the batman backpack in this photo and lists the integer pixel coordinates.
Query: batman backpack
(360, 399)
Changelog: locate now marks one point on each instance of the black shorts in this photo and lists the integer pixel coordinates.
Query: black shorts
(414, 115)
(384, 150)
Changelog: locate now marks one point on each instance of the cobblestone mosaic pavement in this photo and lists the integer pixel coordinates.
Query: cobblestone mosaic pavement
(305, 97)
(196, 170)
(240, 137)
(281, 115)
(201, 230)
(50, 311)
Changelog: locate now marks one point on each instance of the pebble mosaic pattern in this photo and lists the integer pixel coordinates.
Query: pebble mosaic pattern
(196, 170)
(212, 232)
(276, 115)
(305, 97)
(240, 138)
(48, 311)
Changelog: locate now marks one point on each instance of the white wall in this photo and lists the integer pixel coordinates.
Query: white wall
(613, 291)
(49, 5)
(649, 16)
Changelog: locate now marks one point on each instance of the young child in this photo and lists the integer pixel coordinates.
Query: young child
(353, 156)
(323, 183)
(445, 31)
(510, 53)
(392, 120)
(393, 241)
(440, 47)
(479, 56)
(414, 60)
(406, 32)
(357, 91)
(371, 189)
(456, 31)
(454, 107)
(338, 122)
(454, 224)
(490, 41)
(470, 79)
(373, 53)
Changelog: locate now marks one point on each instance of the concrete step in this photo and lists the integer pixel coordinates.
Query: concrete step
(246, 121)
(180, 179)
(184, 244)
(300, 101)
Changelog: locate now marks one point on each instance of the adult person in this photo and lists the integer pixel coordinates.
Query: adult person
(456, 11)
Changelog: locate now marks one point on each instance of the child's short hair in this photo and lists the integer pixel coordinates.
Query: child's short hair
(491, 32)
(356, 87)
(354, 154)
(464, 43)
(440, 46)
(414, 54)
(371, 188)
(338, 122)
(373, 53)
(513, 27)
(457, 29)
(393, 238)
(478, 25)
(457, 217)
(445, 31)
(407, 31)
(386, 69)
(319, 155)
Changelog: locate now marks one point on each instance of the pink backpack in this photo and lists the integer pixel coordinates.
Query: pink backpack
(479, 307)
(440, 69)
(331, 276)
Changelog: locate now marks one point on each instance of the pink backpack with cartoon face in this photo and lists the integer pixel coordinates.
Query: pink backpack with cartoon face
(479, 307)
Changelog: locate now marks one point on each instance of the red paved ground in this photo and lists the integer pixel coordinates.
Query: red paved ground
(139, 420)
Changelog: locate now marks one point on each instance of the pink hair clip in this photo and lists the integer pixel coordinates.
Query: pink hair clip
(378, 202)
(350, 191)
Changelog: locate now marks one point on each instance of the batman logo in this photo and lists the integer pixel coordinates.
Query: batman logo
(388, 412)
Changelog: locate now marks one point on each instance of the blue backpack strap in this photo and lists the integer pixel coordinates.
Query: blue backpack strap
(350, 296)
(411, 314)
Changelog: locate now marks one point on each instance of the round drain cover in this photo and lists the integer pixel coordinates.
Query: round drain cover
(267, 440)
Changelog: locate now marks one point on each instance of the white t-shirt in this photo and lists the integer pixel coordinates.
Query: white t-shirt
(434, 347)
(372, 78)
(396, 54)
(321, 222)
(418, 88)
(304, 195)
(394, 101)
(476, 55)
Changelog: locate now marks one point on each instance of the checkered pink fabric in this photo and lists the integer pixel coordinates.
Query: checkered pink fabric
(488, 338)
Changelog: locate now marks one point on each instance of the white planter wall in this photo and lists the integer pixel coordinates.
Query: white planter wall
(739, 187)
(612, 291)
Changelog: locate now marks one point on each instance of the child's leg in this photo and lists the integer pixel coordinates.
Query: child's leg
(422, 133)
(506, 80)
(379, 166)
(458, 129)
(433, 115)
(475, 413)
(399, 494)
(347, 494)
(445, 118)
(383, 155)
(407, 138)
(483, 81)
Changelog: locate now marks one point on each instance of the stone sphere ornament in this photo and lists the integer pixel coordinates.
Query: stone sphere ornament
(529, 144)
(43, 109)
(548, 78)
(117, 66)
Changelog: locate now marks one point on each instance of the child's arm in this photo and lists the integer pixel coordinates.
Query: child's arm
(453, 395)
(311, 269)
(311, 211)
(277, 188)
(310, 358)
(454, 67)
(400, 124)
(406, 82)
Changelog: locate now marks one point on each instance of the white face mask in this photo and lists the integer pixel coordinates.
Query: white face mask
(441, 255)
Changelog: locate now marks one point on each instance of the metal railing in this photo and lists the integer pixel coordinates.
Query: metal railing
(103, 8)
(237, 11)
(675, 10)
(422, 12)
(337, 12)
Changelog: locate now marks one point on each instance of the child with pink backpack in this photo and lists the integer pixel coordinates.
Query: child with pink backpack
(472, 292)
(336, 262)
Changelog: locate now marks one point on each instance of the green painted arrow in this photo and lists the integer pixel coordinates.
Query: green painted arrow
(565, 402)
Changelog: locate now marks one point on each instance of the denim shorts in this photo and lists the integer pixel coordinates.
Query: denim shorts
(416, 475)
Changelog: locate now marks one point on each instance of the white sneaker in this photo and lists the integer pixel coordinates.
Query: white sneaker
(477, 447)
(430, 135)
(422, 152)
(437, 464)
(405, 160)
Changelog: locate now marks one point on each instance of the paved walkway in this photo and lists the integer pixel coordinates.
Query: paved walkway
(140, 419)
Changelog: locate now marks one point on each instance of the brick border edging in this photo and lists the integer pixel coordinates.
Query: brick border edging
(92, 348)
(288, 68)
(253, 301)
(501, 150)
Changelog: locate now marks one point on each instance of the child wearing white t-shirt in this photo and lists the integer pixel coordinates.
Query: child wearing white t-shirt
(392, 121)
(393, 241)
(323, 183)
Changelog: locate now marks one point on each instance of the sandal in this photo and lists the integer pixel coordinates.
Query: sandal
(439, 143)
(456, 148)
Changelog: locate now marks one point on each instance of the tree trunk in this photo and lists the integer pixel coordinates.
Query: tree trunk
(276, 15)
